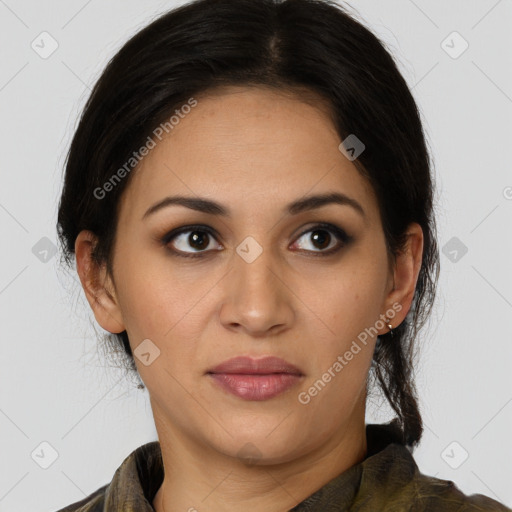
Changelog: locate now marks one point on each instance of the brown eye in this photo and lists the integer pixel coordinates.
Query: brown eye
(198, 239)
(324, 238)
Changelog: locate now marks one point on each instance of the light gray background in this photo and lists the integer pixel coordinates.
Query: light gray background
(56, 388)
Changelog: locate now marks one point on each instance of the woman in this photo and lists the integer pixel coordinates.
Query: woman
(248, 199)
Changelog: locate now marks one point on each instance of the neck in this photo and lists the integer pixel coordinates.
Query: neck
(198, 477)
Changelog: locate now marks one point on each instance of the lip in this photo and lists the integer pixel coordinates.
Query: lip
(255, 379)
(250, 366)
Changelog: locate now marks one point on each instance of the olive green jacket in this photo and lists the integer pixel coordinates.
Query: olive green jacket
(388, 479)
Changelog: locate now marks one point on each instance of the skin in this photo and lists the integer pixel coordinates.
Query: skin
(253, 150)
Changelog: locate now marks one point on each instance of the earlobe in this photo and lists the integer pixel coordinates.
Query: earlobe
(406, 271)
(97, 284)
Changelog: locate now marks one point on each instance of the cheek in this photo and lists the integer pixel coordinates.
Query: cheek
(344, 350)
(352, 299)
(153, 297)
(346, 308)
(158, 303)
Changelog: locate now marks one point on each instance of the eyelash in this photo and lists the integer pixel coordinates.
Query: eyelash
(339, 233)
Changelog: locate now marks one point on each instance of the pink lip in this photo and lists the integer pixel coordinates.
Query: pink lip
(255, 379)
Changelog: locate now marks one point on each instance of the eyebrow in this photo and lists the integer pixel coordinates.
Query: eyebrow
(208, 206)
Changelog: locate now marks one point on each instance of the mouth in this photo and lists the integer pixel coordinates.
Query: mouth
(255, 379)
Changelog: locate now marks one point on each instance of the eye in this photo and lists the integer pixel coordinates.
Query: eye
(200, 239)
(320, 237)
(197, 237)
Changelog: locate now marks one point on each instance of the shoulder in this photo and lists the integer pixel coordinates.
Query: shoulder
(92, 503)
(433, 493)
(412, 491)
(444, 495)
(135, 481)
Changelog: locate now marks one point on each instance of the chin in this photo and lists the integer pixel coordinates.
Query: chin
(259, 447)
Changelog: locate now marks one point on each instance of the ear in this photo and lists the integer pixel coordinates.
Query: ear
(97, 284)
(404, 276)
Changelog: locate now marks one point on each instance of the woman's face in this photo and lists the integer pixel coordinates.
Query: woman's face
(262, 279)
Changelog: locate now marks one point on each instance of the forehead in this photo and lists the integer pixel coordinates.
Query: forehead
(244, 146)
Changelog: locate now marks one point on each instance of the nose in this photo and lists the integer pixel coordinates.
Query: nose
(256, 299)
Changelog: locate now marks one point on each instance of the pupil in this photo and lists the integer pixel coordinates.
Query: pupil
(198, 240)
(321, 239)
